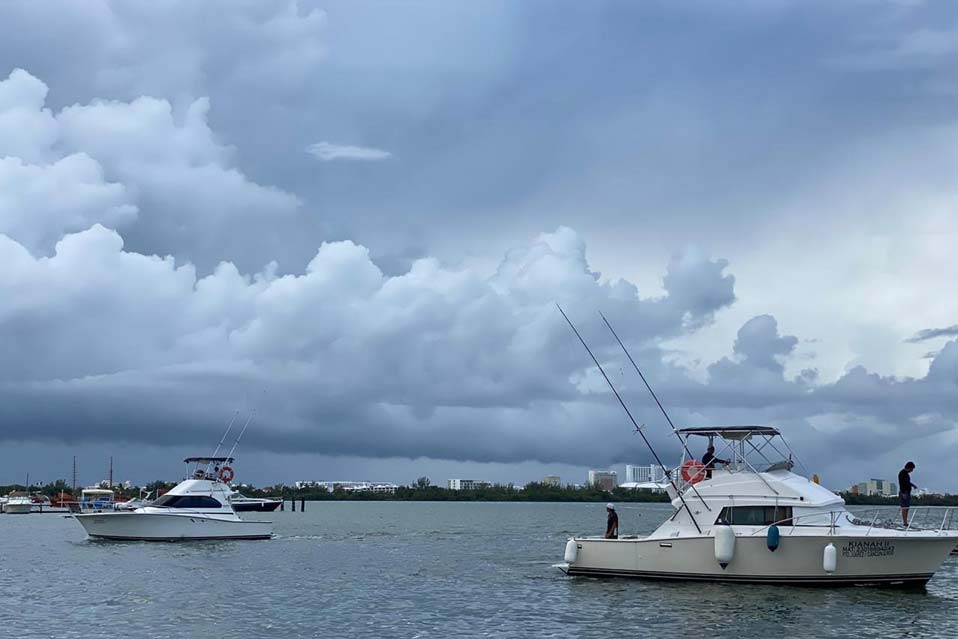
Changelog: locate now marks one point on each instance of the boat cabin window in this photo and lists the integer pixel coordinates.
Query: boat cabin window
(186, 501)
(755, 515)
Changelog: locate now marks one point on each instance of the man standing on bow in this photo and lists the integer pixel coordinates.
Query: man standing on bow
(904, 490)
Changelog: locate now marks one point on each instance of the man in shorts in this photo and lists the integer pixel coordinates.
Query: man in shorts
(904, 490)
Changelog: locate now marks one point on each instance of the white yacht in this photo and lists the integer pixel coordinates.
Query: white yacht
(753, 520)
(18, 504)
(198, 508)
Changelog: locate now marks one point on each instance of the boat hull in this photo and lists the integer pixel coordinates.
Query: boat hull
(17, 509)
(170, 527)
(258, 507)
(861, 561)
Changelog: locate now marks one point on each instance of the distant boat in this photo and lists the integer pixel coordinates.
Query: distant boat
(96, 499)
(197, 508)
(243, 504)
(18, 504)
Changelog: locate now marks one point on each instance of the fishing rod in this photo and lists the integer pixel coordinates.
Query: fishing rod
(248, 420)
(223, 438)
(655, 397)
(638, 429)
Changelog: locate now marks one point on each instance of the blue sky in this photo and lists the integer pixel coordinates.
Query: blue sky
(355, 217)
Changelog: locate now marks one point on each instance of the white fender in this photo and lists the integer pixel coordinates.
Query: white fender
(830, 559)
(571, 550)
(724, 545)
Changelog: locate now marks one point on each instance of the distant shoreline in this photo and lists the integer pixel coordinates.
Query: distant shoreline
(531, 493)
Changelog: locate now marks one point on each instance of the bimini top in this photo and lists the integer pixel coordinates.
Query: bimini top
(209, 460)
(730, 432)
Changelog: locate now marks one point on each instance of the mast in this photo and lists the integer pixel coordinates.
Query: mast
(658, 403)
(638, 429)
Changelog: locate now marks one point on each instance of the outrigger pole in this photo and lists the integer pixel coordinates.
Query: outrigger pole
(638, 429)
(655, 397)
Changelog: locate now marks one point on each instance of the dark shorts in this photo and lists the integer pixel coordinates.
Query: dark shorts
(904, 499)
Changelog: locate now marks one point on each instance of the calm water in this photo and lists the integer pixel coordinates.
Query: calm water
(405, 569)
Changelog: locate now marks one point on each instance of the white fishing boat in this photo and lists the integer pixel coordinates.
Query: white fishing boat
(198, 508)
(18, 504)
(756, 521)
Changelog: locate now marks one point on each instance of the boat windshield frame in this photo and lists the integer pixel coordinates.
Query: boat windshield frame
(755, 449)
(205, 467)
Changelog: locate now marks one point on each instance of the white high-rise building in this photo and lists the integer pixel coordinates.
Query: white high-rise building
(644, 474)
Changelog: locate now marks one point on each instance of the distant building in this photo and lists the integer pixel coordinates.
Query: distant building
(468, 484)
(552, 480)
(350, 486)
(644, 474)
(875, 488)
(604, 479)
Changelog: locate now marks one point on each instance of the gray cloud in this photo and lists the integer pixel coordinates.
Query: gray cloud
(170, 253)
(329, 152)
(931, 333)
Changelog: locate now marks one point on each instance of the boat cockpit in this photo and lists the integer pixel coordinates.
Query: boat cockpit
(733, 449)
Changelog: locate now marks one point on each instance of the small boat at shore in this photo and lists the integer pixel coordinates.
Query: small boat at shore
(18, 504)
(198, 508)
(243, 504)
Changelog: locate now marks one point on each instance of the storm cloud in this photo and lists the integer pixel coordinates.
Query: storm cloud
(355, 221)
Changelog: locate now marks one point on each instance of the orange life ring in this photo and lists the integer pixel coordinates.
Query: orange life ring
(226, 474)
(693, 471)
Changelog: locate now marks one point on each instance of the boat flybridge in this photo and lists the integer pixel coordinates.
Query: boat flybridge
(748, 518)
(197, 508)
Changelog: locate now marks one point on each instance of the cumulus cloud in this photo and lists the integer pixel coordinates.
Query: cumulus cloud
(329, 152)
(353, 361)
(140, 165)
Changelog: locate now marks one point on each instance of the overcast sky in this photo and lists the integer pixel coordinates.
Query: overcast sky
(355, 218)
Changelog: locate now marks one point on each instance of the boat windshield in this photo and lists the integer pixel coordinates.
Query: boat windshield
(756, 449)
(186, 501)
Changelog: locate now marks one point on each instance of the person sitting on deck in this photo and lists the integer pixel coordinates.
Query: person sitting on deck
(709, 459)
(612, 523)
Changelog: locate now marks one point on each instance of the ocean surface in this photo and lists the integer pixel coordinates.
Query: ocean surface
(405, 569)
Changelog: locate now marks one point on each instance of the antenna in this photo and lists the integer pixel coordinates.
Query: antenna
(248, 420)
(655, 397)
(632, 419)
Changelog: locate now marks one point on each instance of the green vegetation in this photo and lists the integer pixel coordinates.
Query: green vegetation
(423, 490)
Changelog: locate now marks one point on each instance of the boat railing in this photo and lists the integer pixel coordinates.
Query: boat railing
(936, 519)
